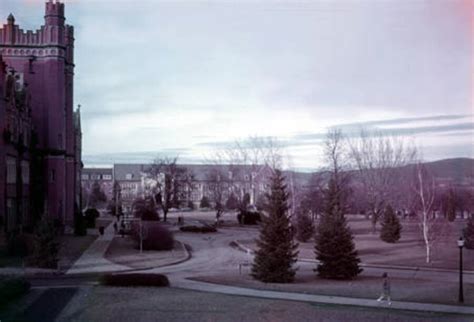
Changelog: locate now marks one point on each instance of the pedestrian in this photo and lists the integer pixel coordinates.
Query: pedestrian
(122, 228)
(385, 290)
(115, 227)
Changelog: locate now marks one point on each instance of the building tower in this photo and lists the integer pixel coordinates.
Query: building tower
(44, 59)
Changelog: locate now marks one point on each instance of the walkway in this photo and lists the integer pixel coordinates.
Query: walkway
(337, 300)
(93, 259)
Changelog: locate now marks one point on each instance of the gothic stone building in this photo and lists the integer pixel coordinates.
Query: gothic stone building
(38, 110)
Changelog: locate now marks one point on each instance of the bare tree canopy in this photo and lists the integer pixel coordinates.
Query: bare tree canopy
(378, 159)
(423, 190)
(173, 183)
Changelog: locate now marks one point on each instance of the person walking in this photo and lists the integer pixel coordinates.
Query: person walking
(385, 290)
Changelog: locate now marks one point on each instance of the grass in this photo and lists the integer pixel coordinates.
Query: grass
(367, 287)
(408, 251)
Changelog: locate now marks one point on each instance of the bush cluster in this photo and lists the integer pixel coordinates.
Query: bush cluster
(155, 236)
(199, 229)
(249, 217)
(135, 279)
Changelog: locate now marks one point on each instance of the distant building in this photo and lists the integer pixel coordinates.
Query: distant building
(38, 110)
(201, 181)
(103, 176)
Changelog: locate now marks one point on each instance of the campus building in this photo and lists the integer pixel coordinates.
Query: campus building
(199, 181)
(41, 136)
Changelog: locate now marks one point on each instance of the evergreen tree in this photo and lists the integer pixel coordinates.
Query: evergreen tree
(115, 205)
(469, 233)
(391, 227)
(276, 252)
(304, 225)
(334, 244)
(450, 205)
(205, 203)
(97, 196)
(232, 202)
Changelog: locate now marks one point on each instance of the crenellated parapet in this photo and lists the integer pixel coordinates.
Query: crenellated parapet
(54, 38)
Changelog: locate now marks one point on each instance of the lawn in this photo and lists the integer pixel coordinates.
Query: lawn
(369, 287)
(409, 251)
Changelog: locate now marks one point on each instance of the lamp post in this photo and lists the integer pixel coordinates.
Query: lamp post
(460, 245)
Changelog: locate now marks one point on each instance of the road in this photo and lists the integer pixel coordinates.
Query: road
(211, 254)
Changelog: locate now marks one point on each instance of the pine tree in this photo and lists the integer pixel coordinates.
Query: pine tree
(304, 225)
(391, 227)
(469, 233)
(276, 252)
(334, 244)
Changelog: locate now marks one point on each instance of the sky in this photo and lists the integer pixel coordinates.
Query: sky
(185, 78)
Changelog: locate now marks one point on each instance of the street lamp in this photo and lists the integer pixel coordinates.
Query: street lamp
(460, 245)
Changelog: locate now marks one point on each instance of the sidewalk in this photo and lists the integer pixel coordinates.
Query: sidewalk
(93, 259)
(321, 299)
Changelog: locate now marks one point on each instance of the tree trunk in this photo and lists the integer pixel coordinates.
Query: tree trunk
(426, 237)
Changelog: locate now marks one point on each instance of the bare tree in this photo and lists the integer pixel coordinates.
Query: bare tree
(378, 159)
(172, 183)
(424, 204)
(252, 157)
(336, 153)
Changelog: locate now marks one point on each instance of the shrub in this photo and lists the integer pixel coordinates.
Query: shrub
(155, 236)
(191, 205)
(46, 244)
(12, 287)
(80, 228)
(199, 229)
(249, 217)
(391, 227)
(135, 279)
(205, 203)
(91, 215)
(145, 209)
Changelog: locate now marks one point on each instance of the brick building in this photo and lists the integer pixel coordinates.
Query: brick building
(41, 63)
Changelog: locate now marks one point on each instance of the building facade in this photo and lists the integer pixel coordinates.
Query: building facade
(15, 148)
(210, 181)
(42, 61)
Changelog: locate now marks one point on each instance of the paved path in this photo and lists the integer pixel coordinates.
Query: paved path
(232, 290)
(212, 253)
(93, 259)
